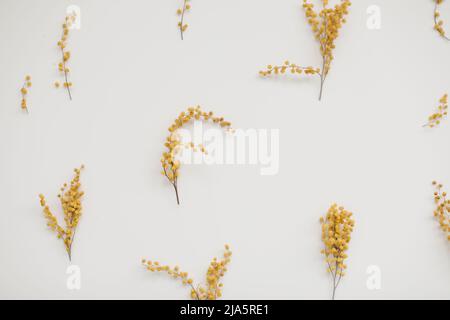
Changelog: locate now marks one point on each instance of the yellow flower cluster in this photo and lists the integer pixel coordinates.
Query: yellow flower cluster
(212, 290)
(24, 91)
(169, 162)
(325, 26)
(337, 227)
(181, 12)
(291, 67)
(65, 54)
(436, 118)
(70, 198)
(438, 22)
(442, 212)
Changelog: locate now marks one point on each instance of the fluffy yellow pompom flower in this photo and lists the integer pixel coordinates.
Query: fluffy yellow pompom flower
(70, 198)
(436, 118)
(170, 163)
(211, 290)
(325, 26)
(438, 22)
(24, 91)
(442, 212)
(337, 227)
(65, 55)
(181, 12)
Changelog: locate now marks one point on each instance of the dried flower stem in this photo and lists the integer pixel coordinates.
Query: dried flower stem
(435, 119)
(442, 211)
(439, 23)
(337, 227)
(65, 55)
(66, 83)
(171, 165)
(213, 288)
(322, 78)
(181, 12)
(70, 198)
(325, 26)
(336, 282)
(24, 91)
(174, 182)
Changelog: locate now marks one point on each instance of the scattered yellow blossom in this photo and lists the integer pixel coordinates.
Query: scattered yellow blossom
(65, 54)
(211, 290)
(435, 119)
(438, 22)
(337, 227)
(24, 91)
(442, 212)
(181, 12)
(289, 67)
(70, 198)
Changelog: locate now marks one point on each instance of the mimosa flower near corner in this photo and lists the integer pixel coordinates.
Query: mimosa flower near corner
(325, 26)
(438, 22)
(442, 211)
(24, 91)
(211, 290)
(181, 12)
(65, 54)
(435, 119)
(337, 227)
(170, 163)
(70, 197)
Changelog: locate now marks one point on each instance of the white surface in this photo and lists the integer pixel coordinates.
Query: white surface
(362, 147)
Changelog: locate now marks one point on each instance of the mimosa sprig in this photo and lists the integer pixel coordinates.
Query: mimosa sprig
(24, 91)
(216, 271)
(65, 54)
(170, 163)
(337, 227)
(325, 26)
(438, 22)
(181, 13)
(70, 198)
(442, 212)
(435, 119)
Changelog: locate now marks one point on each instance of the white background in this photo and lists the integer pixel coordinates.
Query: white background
(363, 146)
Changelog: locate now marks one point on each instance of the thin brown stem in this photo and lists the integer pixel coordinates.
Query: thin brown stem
(322, 81)
(336, 281)
(323, 74)
(65, 74)
(70, 246)
(334, 290)
(174, 184)
(333, 275)
(182, 19)
(23, 96)
(436, 22)
(195, 291)
(331, 270)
